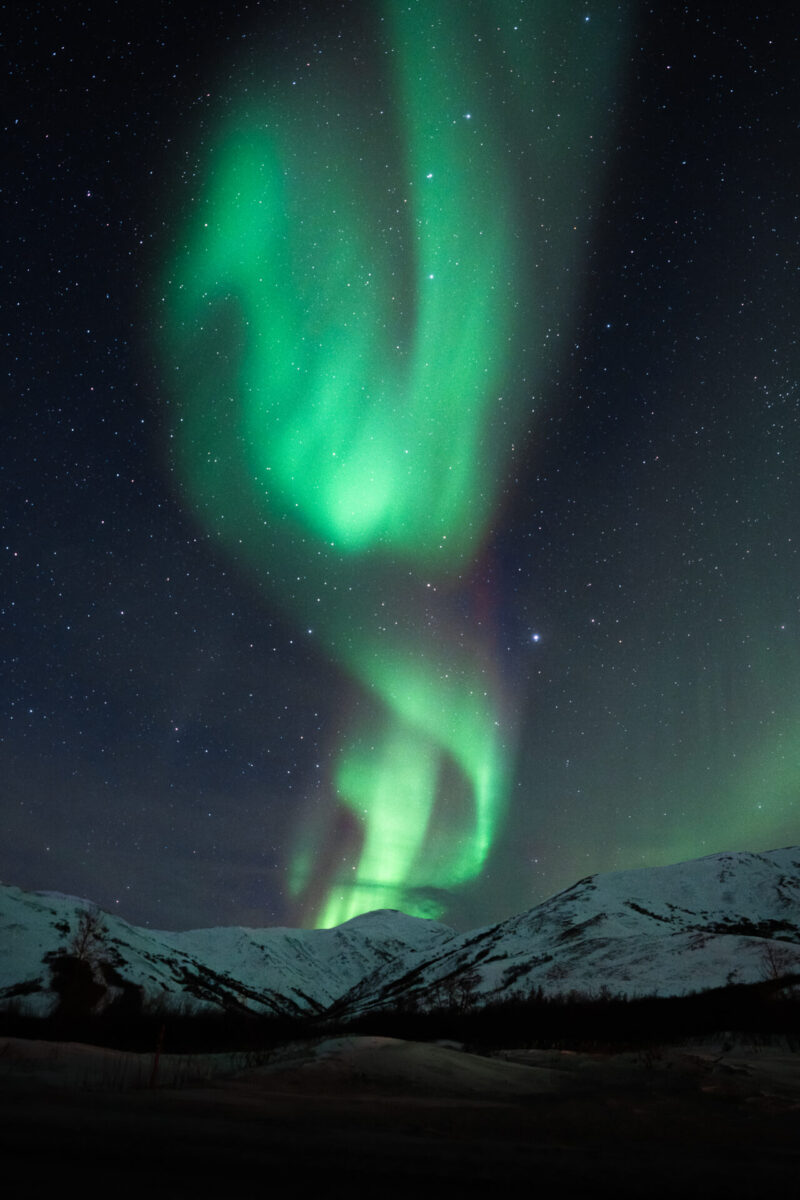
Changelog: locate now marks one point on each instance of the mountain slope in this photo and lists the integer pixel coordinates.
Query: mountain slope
(655, 931)
(282, 971)
(658, 931)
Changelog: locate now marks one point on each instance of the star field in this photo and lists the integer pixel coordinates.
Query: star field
(173, 718)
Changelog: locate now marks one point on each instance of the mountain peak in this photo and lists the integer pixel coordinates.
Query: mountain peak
(660, 930)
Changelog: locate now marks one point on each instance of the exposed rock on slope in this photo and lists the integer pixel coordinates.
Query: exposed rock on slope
(728, 918)
(281, 971)
(658, 931)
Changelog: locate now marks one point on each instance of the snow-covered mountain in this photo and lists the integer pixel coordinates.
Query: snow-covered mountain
(283, 971)
(728, 918)
(657, 931)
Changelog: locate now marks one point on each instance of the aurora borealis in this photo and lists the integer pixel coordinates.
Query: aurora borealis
(346, 348)
(400, 491)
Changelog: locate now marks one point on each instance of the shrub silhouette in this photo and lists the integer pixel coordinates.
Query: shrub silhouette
(73, 981)
(76, 973)
(90, 936)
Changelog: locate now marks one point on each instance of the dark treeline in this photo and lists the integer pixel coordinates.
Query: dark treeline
(173, 1028)
(601, 1021)
(765, 1010)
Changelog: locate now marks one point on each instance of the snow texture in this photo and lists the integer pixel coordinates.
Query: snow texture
(727, 918)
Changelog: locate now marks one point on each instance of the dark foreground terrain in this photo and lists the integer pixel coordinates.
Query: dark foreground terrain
(403, 1118)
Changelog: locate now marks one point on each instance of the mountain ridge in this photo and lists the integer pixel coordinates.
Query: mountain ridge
(721, 919)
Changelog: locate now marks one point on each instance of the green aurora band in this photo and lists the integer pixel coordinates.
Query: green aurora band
(356, 317)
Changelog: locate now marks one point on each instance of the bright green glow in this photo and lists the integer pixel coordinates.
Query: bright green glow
(460, 716)
(391, 783)
(392, 789)
(351, 418)
(346, 320)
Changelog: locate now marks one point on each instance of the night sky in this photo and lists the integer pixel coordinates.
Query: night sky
(398, 452)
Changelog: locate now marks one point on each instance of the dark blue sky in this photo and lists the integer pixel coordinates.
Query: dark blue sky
(164, 723)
